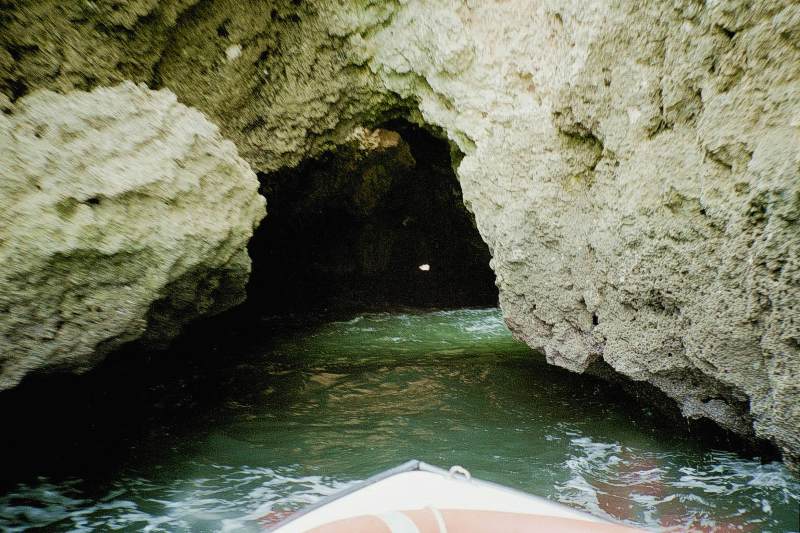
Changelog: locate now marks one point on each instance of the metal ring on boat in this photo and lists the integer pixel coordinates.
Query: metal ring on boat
(456, 470)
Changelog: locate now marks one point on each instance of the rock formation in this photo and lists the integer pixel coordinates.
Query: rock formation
(633, 166)
(124, 213)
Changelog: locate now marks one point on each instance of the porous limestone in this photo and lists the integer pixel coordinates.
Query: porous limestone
(635, 170)
(633, 166)
(123, 213)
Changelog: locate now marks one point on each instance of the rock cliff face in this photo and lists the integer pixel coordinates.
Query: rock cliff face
(633, 167)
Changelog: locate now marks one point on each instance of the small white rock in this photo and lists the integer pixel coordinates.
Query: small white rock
(233, 51)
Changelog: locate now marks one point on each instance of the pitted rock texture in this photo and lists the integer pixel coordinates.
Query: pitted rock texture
(281, 78)
(633, 166)
(122, 213)
(635, 169)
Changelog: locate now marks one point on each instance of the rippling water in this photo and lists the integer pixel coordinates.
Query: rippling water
(310, 413)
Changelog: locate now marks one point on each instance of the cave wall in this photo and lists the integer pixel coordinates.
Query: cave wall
(633, 167)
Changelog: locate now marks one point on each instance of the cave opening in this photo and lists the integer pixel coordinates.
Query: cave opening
(378, 222)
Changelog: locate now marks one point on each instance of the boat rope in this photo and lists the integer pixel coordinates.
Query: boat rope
(398, 522)
(439, 519)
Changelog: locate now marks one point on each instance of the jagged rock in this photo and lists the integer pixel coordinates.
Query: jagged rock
(279, 77)
(122, 213)
(633, 166)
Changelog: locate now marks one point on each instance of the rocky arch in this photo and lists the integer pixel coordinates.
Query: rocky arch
(632, 167)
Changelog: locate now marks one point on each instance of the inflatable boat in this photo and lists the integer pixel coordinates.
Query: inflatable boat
(419, 498)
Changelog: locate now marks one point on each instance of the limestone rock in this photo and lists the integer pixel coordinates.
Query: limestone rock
(281, 78)
(123, 213)
(635, 169)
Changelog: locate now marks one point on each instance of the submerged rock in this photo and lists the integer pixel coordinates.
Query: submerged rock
(632, 166)
(124, 213)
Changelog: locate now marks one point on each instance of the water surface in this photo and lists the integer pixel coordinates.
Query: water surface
(304, 414)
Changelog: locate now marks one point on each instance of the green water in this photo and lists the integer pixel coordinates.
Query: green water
(307, 414)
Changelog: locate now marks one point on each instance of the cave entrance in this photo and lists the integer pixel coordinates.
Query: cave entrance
(378, 222)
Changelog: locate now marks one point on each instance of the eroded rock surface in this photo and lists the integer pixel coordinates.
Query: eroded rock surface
(635, 169)
(122, 213)
(633, 166)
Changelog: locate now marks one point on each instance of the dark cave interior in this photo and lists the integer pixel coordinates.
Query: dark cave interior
(355, 227)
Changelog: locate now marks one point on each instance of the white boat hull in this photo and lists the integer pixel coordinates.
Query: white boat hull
(421, 496)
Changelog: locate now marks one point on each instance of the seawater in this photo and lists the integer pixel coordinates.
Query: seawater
(306, 413)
